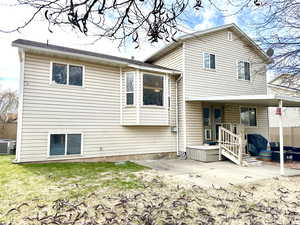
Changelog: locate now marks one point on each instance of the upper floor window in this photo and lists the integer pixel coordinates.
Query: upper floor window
(209, 61)
(243, 70)
(67, 74)
(130, 88)
(248, 116)
(153, 90)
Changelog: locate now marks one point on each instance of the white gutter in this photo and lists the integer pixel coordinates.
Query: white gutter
(177, 117)
(96, 58)
(152, 69)
(20, 106)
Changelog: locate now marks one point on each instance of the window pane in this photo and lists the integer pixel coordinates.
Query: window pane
(57, 144)
(153, 90)
(206, 60)
(252, 115)
(212, 61)
(74, 144)
(245, 116)
(218, 115)
(59, 73)
(129, 99)
(129, 82)
(241, 70)
(75, 75)
(247, 70)
(206, 115)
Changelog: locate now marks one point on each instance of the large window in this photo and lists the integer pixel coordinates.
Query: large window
(209, 61)
(65, 144)
(153, 90)
(248, 116)
(243, 70)
(130, 88)
(67, 74)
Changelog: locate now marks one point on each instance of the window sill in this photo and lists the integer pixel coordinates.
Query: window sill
(153, 107)
(210, 70)
(66, 86)
(64, 156)
(243, 80)
(129, 106)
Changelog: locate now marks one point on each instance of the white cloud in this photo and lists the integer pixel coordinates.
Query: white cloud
(207, 16)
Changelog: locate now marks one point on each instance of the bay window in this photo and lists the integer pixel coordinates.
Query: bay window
(130, 88)
(153, 90)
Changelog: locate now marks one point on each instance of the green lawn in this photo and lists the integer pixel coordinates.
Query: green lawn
(20, 183)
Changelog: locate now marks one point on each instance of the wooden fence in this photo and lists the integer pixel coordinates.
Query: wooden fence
(291, 136)
(8, 131)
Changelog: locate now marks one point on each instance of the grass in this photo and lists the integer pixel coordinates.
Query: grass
(21, 183)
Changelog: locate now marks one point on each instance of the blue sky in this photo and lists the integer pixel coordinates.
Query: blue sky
(37, 31)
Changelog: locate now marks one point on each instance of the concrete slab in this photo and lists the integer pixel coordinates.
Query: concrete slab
(219, 174)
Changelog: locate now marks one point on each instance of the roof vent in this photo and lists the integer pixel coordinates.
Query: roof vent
(132, 57)
(229, 36)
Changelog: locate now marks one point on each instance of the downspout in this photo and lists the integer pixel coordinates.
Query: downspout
(177, 116)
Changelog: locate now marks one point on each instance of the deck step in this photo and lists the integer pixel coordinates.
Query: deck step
(251, 161)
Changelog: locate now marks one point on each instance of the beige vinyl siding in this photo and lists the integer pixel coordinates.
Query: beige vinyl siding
(93, 110)
(232, 115)
(194, 123)
(172, 60)
(223, 80)
(180, 129)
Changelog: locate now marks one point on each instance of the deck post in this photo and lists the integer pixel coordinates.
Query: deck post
(281, 139)
(241, 150)
(220, 140)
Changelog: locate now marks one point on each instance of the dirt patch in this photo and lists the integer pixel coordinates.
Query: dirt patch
(163, 201)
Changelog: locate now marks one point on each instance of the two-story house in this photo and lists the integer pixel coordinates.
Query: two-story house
(207, 87)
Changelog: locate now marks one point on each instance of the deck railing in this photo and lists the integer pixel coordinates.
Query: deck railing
(231, 145)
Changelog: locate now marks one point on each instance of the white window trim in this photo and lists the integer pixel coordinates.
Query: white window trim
(248, 107)
(237, 70)
(205, 134)
(66, 141)
(164, 91)
(230, 36)
(134, 89)
(67, 84)
(203, 61)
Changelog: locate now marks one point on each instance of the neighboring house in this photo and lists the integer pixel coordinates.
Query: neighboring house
(288, 85)
(80, 105)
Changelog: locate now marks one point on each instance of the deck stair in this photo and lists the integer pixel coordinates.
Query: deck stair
(232, 146)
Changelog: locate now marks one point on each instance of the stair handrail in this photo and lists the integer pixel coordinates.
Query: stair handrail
(232, 143)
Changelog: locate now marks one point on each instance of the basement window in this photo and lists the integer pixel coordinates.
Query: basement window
(65, 144)
(67, 74)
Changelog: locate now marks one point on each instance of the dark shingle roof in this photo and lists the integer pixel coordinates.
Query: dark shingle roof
(22, 42)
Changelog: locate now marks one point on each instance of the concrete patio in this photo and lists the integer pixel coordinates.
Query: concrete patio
(219, 174)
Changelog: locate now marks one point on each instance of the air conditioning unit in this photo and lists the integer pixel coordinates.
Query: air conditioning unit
(7, 146)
